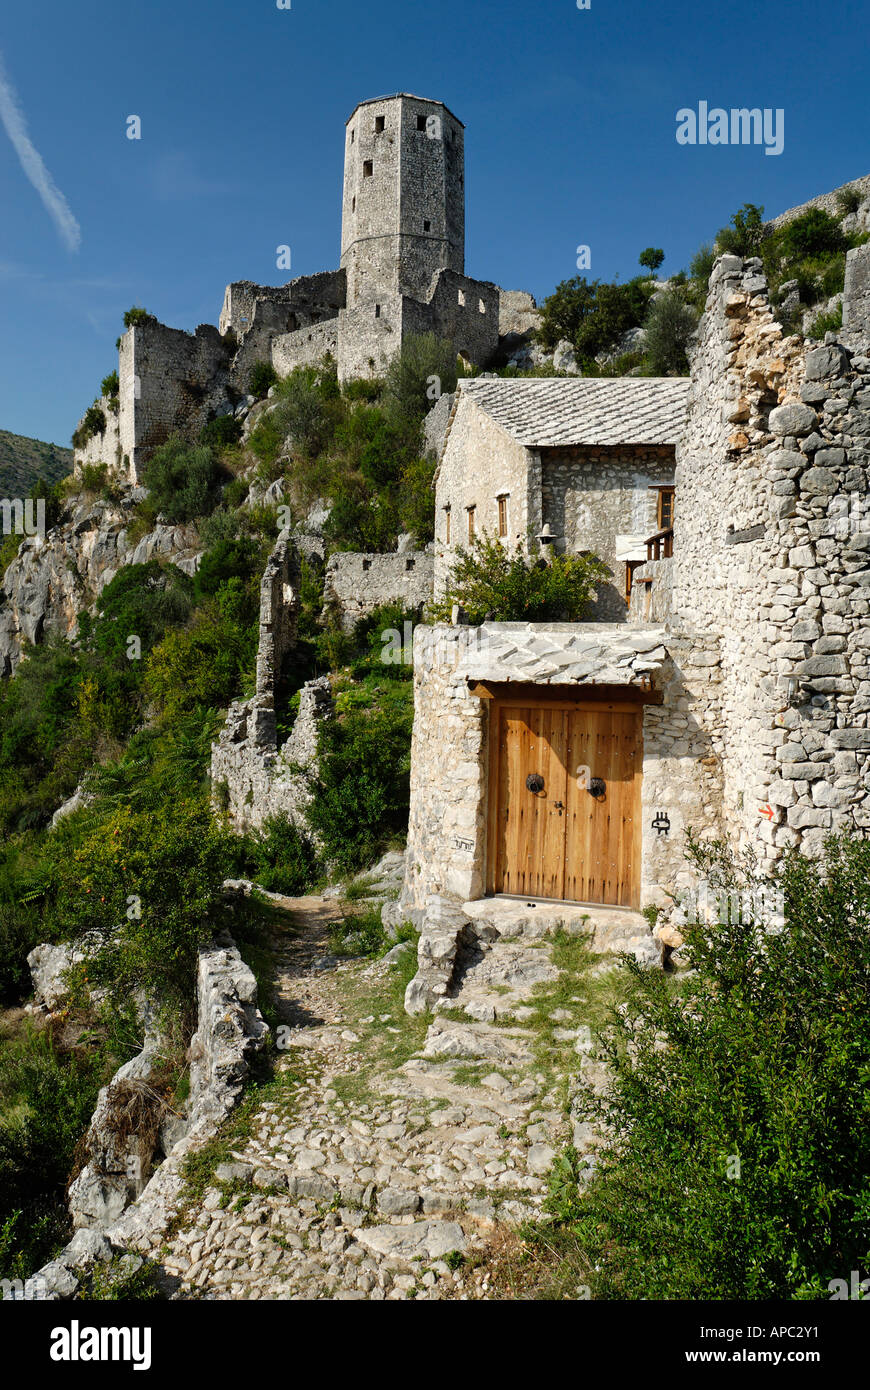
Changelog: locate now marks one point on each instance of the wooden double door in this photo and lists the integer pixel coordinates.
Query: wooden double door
(565, 800)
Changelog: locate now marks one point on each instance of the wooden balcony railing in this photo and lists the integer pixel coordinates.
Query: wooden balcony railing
(661, 545)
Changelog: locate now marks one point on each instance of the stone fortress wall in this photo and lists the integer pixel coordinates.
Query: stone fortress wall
(772, 556)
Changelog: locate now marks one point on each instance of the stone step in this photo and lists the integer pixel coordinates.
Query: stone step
(608, 929)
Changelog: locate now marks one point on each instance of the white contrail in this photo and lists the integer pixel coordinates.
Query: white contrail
(56, 204)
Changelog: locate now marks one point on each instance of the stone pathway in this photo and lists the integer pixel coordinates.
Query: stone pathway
(388, 1148)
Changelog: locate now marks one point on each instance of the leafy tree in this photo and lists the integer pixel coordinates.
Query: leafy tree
(94, 422)
(669, 325)
(183, 480)
(492, 582)
(652, 258)
(593, 315)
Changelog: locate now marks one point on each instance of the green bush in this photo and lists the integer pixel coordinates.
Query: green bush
(669, 325)
(282, 858)
(848, 200)
(183, 480)
(745, 236)
(46, 1100)
(220, 432)
(593, 315)
(738, 1146)
(826, 323)
(93, 422)
(362, 789)
(425, 365)
(492, 582)
(167, 865)
(110, 384)
(228, 559)
(814, 233)
(206, 664)
(143, 601)
(262, 377)
(137, 316)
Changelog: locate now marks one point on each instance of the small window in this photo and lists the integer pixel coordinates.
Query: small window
(421, 122)
(427, 226)
(481, 306)
(447, 525)
(352, 136)
(665, 512)
(471, 522)
(503, 515)
(409, 565)
(380, 122)
(377, 311)
(462, 296)
(353, 206)
(367, 564)
(368, 169)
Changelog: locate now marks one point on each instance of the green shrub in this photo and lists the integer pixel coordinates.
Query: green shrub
(262, 377)
(220, 432)
(282, 858)
(826, 323)
(137, 316)
(142, 601)
(207, 664)
(361, 792)
(359, 934)
(183, 480)
(745, 236)
(93, 422)
(669, 325)
(738, 1149)
(593, 315)
(849, 200)
(491, 582)
(425, 364)
(227, 559)
(167, 865)
(93, 476)
(814, 233)
(46, 1100)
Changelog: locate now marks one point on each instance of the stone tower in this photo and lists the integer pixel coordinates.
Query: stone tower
(403, 215)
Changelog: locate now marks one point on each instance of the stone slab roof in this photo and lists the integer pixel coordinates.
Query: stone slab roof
(554, 653)
(561, 411)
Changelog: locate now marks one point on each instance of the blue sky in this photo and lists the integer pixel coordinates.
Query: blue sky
(570, 120)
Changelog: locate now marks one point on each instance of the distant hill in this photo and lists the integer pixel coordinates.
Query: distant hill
(23, 461)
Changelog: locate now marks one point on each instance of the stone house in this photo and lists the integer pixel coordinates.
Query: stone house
(587, 462)
(564, 764)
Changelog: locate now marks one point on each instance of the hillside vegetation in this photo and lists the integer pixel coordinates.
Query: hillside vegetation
(24, 462)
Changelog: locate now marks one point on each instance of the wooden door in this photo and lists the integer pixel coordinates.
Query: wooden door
(554, 839)
(603, 833)
(530, 849)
